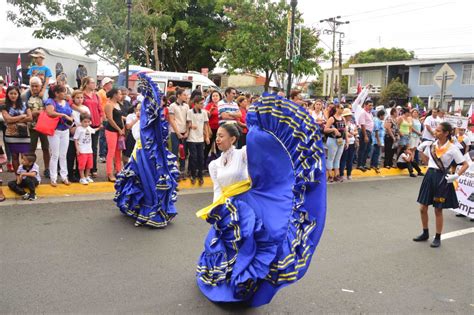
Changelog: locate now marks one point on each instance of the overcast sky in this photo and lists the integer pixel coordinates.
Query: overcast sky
(430, 27)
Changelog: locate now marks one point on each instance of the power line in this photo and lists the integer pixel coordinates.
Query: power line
(376, 10)
(402, 12)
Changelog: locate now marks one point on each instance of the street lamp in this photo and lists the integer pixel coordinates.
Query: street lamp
(293, 4)
(127, 44)
(164, 36)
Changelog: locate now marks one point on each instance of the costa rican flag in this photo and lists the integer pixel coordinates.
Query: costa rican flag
(19, 74)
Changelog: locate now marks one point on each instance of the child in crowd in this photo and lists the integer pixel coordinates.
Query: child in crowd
(27, 176)
(406, 160)
(132, 122)
(83, 144)
(78, 109)
(198, 126)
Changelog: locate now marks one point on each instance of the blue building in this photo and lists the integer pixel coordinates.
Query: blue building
(423, 77)
(424, 80)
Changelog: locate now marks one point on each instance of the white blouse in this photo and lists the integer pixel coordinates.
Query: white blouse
(228, 169)
(447, 158)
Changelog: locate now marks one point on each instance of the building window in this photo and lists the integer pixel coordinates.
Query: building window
(373, 77)
(426, 76)
(468, 74)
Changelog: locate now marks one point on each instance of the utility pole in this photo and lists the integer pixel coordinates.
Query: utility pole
(339, 88)
(333, 24)
(127, 44)
(293, 4)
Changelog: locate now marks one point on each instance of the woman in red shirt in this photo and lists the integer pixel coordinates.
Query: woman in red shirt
(92, 101)
(242, 122)
(213, 113)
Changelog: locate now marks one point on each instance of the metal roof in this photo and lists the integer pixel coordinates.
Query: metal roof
(52, 52)
(416, 62)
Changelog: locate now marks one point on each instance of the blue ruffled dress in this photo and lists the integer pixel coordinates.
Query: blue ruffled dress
(263, 239)
(146, 188)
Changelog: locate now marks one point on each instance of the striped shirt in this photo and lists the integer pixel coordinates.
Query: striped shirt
(224, 107)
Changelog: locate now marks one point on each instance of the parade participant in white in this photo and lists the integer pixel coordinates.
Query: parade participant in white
(231, 166)
(437, 188)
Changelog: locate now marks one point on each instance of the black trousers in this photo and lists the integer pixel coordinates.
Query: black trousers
(95, 143)
(209, 147)
(72, 161)
(196, 158)
(28, 182)
(412, 165)
(389, 151)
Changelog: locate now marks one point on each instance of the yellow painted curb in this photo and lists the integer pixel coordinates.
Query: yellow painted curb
(46, 190)
(383, 172)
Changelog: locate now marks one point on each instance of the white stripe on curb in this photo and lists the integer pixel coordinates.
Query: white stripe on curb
(457, 233)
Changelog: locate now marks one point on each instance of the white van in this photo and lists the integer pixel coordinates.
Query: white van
(189, 81)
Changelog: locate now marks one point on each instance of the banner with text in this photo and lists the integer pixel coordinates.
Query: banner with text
(465, 192)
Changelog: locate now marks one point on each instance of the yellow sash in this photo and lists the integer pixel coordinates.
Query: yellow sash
(138, 146)
(441, 151)
(227, 192)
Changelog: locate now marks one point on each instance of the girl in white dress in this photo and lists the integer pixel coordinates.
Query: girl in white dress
(231, 166)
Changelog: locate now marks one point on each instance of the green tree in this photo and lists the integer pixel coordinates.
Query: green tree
(100, 28)
(256, 40)
(316, 88)
(394, 90)
(416, 100)
(380, 55)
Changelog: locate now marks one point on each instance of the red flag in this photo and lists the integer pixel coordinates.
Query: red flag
(359, 86)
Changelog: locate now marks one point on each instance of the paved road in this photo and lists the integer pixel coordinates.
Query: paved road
(85, 257)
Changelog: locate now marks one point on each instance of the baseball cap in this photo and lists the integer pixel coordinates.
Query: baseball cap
(106, 80)
(38, 53)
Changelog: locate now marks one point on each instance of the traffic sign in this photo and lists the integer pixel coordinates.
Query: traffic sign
(450, 75)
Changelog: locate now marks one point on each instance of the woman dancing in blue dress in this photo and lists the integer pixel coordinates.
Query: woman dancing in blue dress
(266, 223)
(146, 188)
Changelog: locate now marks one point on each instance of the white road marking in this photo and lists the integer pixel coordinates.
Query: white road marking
(345, 290)
(457, 233)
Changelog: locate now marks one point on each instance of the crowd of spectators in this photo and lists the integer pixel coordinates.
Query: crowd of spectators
(101, 125)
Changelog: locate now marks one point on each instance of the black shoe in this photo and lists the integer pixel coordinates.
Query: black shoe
(459, 215)
(412, 175)
(74, 179)
(421, 174)
(422, 237)
(193, 181)
(363, 169)
(436, 243)
(201, 181)
(46, 173)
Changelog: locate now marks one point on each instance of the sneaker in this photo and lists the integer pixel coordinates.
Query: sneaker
(349, 177)
(32, 198)
(46, 173)
(101, 159)
(66, 182)
(25, 196)
(84, 181)
(90, 180)
(54, 183)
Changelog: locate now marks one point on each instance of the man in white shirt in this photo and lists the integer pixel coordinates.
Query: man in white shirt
(177, 118)
(430, 124)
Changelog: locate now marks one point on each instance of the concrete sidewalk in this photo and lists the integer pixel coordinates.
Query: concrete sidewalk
(100, 187)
